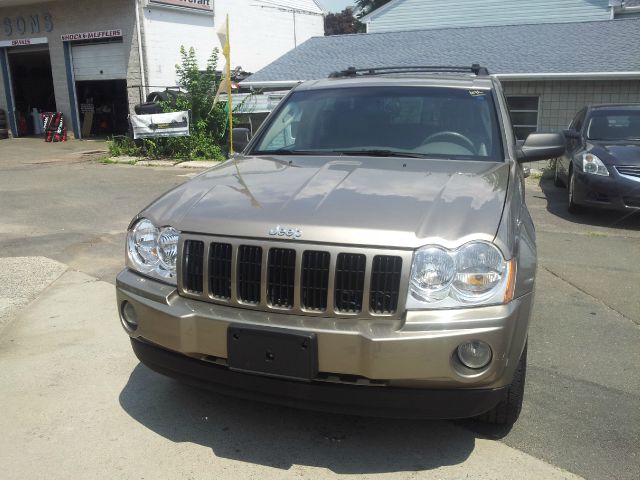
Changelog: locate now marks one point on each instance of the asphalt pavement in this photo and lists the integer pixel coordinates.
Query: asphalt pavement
(75, 398)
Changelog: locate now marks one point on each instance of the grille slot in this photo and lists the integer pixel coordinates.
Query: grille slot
(315, 280)
(385, 284)
(350, 270)
(630, 170)
(193, 275)
(249, 273)
(220, 270)
(281, 277)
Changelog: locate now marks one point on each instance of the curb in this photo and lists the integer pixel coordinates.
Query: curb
(162, 163)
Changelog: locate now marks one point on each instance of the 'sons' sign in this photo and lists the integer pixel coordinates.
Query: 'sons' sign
(206, 5)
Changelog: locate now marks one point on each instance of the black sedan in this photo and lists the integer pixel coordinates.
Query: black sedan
(601, 167)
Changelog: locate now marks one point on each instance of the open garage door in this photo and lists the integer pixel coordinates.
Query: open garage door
(99, 61)
(100, 71)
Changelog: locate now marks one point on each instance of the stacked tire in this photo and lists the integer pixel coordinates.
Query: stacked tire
(4, 127)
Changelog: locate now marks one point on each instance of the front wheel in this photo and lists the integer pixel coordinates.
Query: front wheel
(508, 410)
(573, 206)
(556, 178)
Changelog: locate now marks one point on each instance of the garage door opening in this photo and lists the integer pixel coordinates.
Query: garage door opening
(32, 84)
(100, 72)
(103, 106)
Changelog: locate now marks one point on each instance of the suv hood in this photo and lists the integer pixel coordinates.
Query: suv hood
(391, 202)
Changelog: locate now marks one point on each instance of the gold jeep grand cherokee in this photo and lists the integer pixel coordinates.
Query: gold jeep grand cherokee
(370, 251)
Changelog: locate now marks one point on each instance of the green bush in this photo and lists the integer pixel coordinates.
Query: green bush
(120, 146)
(208, 120)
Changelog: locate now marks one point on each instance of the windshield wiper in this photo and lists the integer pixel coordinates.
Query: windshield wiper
(379, 153)
(288, 151)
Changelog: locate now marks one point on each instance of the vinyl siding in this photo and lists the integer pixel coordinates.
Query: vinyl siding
(403, 15)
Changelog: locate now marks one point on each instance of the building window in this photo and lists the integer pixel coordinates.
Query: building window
(524, 115)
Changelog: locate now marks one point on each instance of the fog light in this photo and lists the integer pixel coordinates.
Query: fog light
(475, 354)
(129, 315)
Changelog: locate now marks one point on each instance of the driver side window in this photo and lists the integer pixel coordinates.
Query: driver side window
(578, 121)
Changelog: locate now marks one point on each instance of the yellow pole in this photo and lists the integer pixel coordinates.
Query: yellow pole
(229, 101)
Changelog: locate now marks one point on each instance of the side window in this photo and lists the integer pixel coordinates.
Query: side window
(524, 114)
(578, 122)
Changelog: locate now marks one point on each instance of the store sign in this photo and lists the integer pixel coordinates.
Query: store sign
(20, 42)
(70, 37)
(206, 5)
(175, 124)
(26, 24)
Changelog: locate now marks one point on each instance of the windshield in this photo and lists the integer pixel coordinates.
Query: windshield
(386, 121)
(614, 125)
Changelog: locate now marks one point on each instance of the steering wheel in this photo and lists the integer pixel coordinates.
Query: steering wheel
(457, 138)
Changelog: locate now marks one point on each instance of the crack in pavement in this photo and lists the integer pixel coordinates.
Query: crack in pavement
(582, 290)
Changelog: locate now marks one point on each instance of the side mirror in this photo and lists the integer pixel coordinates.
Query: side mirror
(241, 137)
(542, 146)
(526, 172)
(571, 134)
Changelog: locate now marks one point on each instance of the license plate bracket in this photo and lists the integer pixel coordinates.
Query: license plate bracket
(272, 351)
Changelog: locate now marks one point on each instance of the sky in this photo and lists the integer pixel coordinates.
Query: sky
(335, 5)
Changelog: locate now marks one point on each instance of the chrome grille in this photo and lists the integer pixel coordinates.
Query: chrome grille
(304, 279)
(629, 170)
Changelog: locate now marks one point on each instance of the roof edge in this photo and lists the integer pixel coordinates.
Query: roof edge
(270, 83)
(501, 76)
(369, 16)
(570, 76)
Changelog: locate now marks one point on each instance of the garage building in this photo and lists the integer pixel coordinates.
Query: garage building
(94, 60)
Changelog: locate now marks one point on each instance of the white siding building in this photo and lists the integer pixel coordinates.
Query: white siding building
(403, 15)
(261, 31)
(83, 57)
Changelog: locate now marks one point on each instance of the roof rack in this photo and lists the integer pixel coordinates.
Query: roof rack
(476, 69)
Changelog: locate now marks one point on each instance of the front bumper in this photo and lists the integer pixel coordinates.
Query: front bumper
(614, 192)
(416, 351)
(365, 401)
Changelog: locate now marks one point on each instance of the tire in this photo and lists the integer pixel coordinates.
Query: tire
(170, 96)
(556, 178)
(508, 410)
(148, 108)
(573, 206)
(4, 133)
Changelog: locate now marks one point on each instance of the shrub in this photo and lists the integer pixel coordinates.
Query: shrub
(208, 120)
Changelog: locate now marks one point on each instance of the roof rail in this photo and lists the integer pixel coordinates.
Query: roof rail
(475, 69)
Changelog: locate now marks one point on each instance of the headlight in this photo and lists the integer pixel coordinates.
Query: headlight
(592, 164)
(479, 270)
(474, 274)
(433, 271)
(153, 251)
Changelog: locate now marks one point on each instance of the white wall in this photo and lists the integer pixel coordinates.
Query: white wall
(260, 33)
(165, 31)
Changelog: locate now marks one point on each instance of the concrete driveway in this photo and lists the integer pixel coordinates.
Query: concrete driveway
(77, 404)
